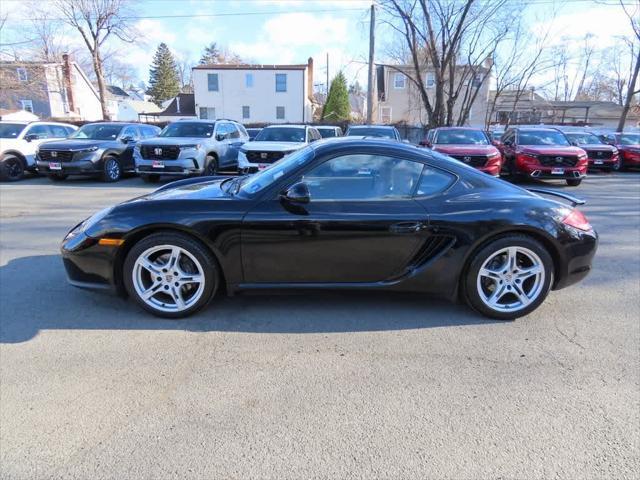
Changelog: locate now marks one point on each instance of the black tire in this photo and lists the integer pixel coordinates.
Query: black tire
(574, 182)
(111, 169)
(469, 282)
(11, 168)
(57, 177)
(195, 248)
(211, 167)
(152, 178)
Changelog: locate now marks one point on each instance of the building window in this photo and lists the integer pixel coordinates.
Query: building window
(27, 105)
(431, 80)
(248, 80)
(281, 82)
(23, 76)
(477, 80)
(207, 113)
(280, 113)
(212, 82)
(399, 80)
(385, 114)
(246, 111)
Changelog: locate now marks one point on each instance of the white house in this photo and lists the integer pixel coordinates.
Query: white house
(254, 93)
(59, 90)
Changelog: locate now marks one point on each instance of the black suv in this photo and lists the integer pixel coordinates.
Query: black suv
(104, 149)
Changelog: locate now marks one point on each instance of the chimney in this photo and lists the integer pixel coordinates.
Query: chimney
(67, 80)
(310, 78)
(178, 103)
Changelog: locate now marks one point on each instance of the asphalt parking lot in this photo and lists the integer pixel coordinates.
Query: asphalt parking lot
(342, 386)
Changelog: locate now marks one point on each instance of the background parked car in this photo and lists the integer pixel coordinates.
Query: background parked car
(542, 153)
(329, 131)
(104, 149)
(19, 142)
(272, 144)
(468, 145)
(191, 147)
(628, 145)
(252, 132)
(601, 155)
(378, 131)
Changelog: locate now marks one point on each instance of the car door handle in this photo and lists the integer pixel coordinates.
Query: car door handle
(406, 227)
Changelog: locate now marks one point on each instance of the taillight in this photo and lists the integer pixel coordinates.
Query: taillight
(576, 219)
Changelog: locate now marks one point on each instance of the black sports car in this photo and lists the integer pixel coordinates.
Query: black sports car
(338, 214)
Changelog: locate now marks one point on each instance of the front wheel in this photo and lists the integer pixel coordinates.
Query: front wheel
(211, 167)
(171, 275)
(509, 278)
(11, 168)
(111, 170)
(574, 182)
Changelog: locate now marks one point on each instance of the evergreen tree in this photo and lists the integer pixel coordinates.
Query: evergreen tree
(211, 54)
(337, 107)
(163, 76)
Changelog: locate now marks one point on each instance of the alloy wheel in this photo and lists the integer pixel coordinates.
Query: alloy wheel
(14, 168)
(113, 169)
(168, 278)
(510, 279)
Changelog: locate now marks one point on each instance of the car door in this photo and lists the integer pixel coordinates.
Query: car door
(221, 136)
(126, 157)
(235, 142)
(361, 225)
(508, 149)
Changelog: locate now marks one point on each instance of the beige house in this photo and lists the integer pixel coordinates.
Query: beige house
(398, 99)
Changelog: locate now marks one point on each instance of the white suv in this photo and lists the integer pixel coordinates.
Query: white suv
(19, 142)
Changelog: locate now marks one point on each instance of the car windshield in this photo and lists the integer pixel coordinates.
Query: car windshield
(98, 131)
(542, 137)
(11, 130)
(461, 137)
(371, 132)
(281, 134)
(630, 139)
(266, 177)
(188, 129)
(584, 138)
(327, 132)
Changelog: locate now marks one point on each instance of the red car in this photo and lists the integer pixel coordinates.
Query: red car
(468, 145)
(601, 155)
(543, 153)
(628, 145)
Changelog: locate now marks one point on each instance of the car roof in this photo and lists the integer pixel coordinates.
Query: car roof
(289, 125)
(37, 122)
(372, 126)
(458, 128)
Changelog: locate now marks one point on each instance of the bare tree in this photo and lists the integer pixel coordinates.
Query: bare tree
(634, 18)
(97, 21)
(452, 40)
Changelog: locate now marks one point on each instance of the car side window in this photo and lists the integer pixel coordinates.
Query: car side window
(233, 130)
(223, 129)
(58, 131)
(433, 181)
(69, 130)
(243, 131)
(42, 131)
(131, 132)
(363, 177)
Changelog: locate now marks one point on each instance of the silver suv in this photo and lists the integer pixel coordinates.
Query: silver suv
(190, 147)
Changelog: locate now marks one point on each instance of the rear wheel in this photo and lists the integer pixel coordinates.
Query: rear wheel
(509, 278)
(153, 178)
(171, 275)
(111, 170)
(11, 168)
(574, 182)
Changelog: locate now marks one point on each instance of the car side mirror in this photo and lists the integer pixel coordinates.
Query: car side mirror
(221, 136)
(127, 139)
(31, 136)
(297, 193)
(507, 143)
(573, 143)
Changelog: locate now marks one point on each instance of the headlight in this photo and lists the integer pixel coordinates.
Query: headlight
(191, 147)
(90, 149)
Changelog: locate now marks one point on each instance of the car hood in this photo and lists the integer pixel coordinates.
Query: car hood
(173, 141)
(73, 144)
(598, 146)
(466, 149)
(190, 189)
(272, 146)
(550, 150)
(632, 148)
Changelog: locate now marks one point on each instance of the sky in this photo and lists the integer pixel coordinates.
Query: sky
(291, 31)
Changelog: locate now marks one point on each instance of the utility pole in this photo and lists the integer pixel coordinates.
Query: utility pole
(370, 79)
(327, 75)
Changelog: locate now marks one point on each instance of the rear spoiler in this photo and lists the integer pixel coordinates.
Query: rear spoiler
(546, 191)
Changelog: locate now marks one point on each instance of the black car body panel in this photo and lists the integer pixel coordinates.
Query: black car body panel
(420, 244)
